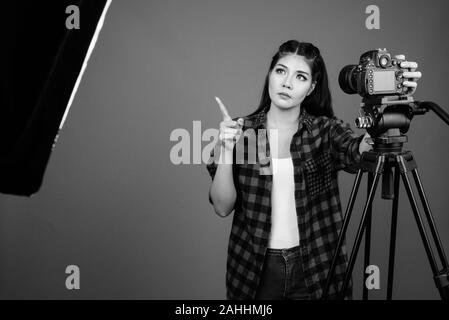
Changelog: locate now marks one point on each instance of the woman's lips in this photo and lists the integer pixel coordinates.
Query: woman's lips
(284, 95)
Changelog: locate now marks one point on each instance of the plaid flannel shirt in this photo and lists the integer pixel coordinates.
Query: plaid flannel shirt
(319, 149)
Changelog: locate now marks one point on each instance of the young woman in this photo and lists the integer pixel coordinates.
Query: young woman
(287, 219)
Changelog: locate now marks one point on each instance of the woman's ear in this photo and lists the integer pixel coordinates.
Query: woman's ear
(311, 87)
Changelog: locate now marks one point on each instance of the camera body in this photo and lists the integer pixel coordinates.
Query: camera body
(376, 74)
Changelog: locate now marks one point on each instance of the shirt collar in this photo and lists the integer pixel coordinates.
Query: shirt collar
(304, 118)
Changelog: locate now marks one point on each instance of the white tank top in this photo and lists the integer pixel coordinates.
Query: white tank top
(284, 222)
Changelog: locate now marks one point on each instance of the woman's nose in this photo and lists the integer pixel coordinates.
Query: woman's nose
(287, 85)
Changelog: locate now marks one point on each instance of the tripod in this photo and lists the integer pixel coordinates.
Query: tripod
(386, 156)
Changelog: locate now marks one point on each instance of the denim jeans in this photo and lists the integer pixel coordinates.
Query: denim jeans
(282, 276)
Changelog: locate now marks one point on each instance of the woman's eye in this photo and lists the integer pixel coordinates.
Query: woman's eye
(279, 70)
(300, 76)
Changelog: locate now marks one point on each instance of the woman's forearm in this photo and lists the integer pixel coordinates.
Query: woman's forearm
(222, 191)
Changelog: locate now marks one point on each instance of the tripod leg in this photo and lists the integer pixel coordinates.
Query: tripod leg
(441, 279)
(402, 162)
(430, 219)
(394, 222)
(358, 238)
(367, 238)
(342, 234)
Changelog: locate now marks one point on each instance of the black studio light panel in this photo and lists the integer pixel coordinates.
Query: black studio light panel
(45, 51)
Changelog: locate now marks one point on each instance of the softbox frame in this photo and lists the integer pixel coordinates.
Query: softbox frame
(43, 65)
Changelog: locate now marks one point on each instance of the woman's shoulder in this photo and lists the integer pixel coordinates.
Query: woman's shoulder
(326, 121)
(328, 125)
(322, 121)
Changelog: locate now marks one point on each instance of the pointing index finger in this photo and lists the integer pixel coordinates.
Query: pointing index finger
(223, 109)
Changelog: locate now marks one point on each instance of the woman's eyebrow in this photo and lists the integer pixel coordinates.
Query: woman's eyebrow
(300, 71)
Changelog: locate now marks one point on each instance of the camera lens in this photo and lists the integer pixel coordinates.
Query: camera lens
(346, 80)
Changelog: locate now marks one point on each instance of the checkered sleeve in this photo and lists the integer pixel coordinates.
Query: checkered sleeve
(212, 165)
(345, 146)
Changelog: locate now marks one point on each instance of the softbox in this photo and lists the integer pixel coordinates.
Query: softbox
(46, 49)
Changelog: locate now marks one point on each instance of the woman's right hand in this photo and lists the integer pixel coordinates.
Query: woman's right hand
(230, 130)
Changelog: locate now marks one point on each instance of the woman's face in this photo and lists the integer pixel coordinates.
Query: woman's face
(290, 81)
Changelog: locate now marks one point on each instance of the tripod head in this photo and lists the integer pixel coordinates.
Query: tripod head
(388, 118)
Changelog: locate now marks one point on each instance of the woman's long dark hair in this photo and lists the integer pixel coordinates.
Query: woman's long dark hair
(319, 102)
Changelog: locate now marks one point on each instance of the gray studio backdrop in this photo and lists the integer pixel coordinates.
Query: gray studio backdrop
(139, 226)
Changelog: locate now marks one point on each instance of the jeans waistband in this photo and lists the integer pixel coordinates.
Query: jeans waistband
(281, 252)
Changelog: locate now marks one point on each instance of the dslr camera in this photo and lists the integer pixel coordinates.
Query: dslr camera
(376, 74)
(387, 103)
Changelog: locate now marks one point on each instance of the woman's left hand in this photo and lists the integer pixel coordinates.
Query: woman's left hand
(364, 145)
(412, 76)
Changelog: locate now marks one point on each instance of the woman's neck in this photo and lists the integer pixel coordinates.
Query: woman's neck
(283, 118)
